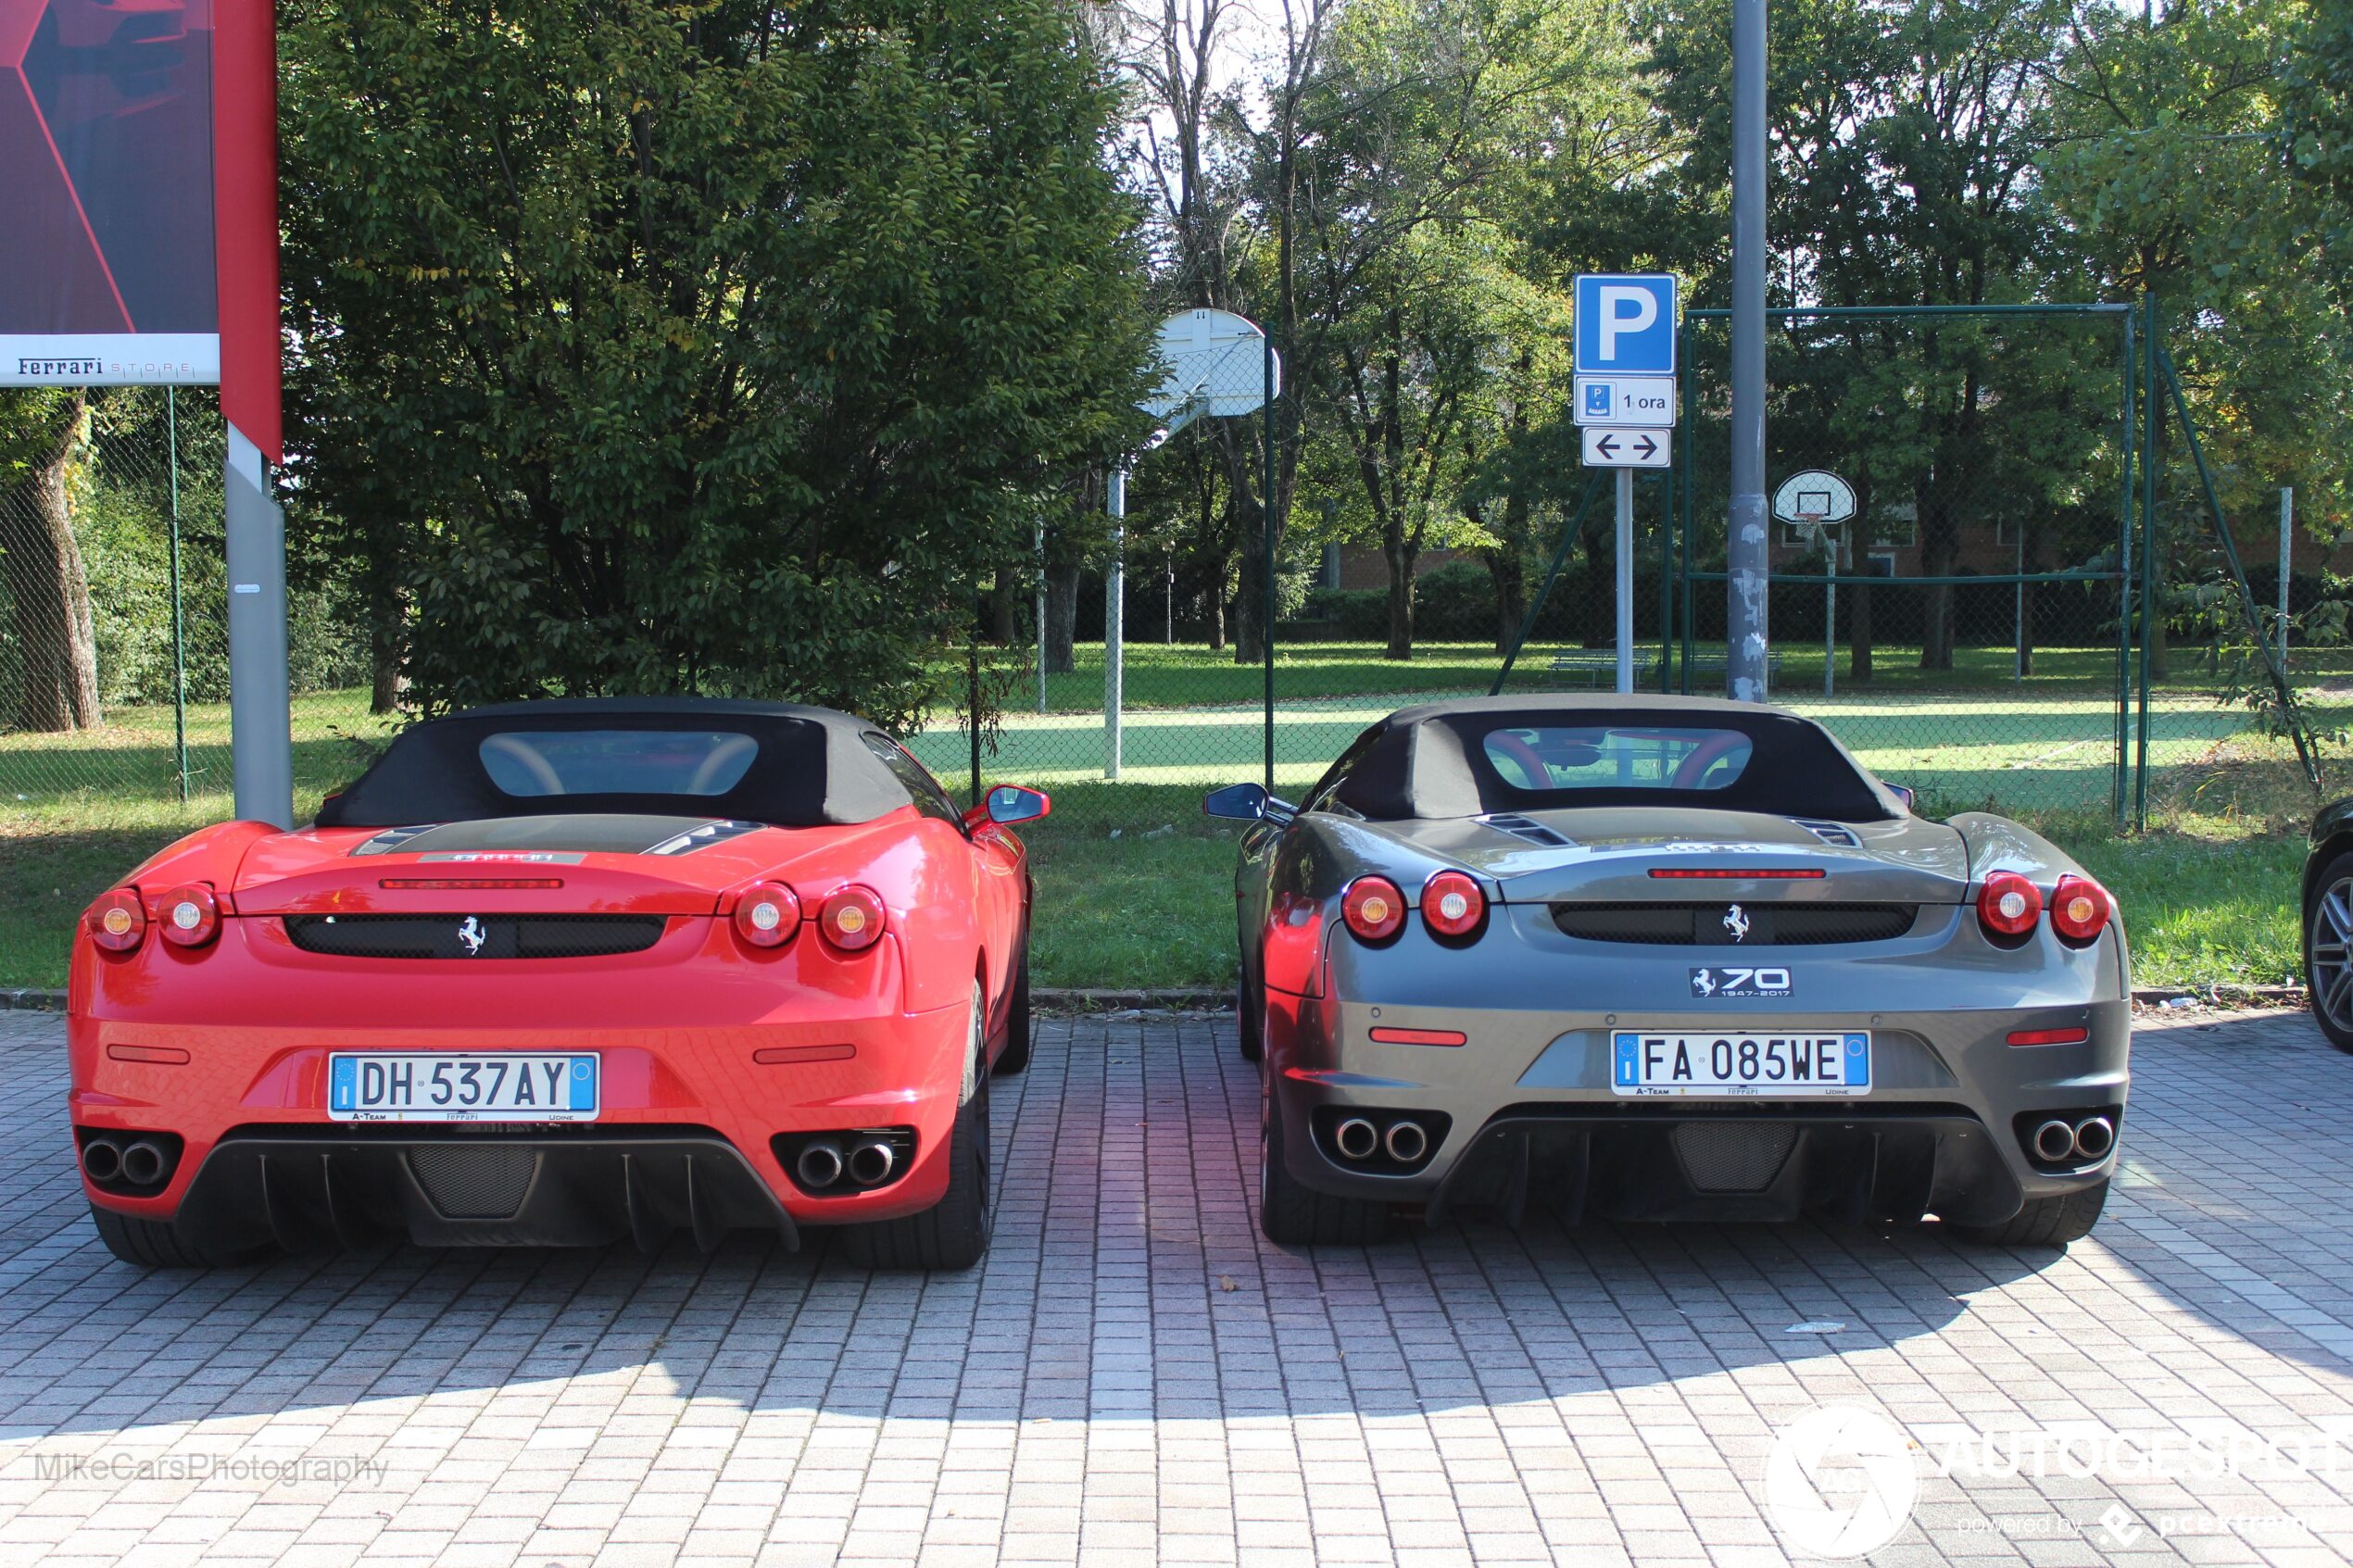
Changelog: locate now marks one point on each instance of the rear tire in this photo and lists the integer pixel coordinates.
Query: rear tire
(1015, 1056)
(1248, 1027)
(2044, 1222)
(953, 1233)
(1292, 1215)
(2328, 951)
(152, 1244)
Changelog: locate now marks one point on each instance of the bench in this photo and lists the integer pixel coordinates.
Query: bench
(1598, 666)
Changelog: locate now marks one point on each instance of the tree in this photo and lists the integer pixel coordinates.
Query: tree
(57, 644)
(725, 348)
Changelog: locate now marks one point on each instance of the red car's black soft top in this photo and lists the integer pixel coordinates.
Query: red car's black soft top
(772, 763)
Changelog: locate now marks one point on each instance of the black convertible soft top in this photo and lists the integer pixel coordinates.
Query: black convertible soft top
(1427, 761)
(811, 766)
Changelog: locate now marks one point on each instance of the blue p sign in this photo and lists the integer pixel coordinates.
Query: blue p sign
(1597, 404)
(1625, 323)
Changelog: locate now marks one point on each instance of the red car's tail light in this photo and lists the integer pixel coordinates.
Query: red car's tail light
(2080, 910)
(1373, 908)
(768, 914)
(117, 922)
(1452, 904)
(190, 916)
(2008, 906)
(852, 918)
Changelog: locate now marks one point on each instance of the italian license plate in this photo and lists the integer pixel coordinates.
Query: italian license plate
(1758, 1066)
(538, 1086)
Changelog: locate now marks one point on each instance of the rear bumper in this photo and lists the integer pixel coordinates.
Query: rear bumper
(307, 1188)
(707, 1057)
(1525, 1108)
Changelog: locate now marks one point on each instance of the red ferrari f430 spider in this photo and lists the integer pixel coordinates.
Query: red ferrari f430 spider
(560, 974)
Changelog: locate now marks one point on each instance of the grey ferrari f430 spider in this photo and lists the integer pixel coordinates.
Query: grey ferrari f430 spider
(1661, 958)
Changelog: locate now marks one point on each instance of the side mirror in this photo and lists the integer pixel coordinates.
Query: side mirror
(1902, 793)
(1241, 802)
(1007, 804)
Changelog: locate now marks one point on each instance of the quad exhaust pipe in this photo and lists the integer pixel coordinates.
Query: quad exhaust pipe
(2054, 1141)
(143, 1163)
(2059, 1141)
(102, 1161)
(1406, 1142)
(872, 1162)
(820, 1164)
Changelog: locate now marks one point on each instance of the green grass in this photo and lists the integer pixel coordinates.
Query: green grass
(2208, 893)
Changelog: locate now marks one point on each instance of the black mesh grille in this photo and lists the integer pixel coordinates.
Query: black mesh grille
(1733, 1158)
(1706, 925)
(474, 936)
(475, 1183)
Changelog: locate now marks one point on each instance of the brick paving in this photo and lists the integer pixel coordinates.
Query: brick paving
(1136, 1376)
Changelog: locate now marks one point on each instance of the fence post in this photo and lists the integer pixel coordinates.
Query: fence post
(971, 705)
(179, 628)
(1666, 576)
(1114, 614)
(1266, 542)
(2128, 446)
(2287, 546)
(2148, 549)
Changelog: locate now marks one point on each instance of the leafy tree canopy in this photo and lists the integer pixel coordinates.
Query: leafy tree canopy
(717, 347)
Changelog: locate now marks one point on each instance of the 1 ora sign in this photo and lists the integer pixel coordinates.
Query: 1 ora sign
(1840, 1481)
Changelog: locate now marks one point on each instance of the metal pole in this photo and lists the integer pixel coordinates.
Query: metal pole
(2017, 611)
(1115, 602)
(1665, 580)
(1267, 543)
(1169, 600)
(260, 711)
(1041, 614)
(1830, 621)
(972, 708)
(2150, 414)
(2128, 443)
(1746, 559)
(179, 626)
(1625, 564)
(2288, 546)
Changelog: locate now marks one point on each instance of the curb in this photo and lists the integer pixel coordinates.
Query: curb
(1191, 998)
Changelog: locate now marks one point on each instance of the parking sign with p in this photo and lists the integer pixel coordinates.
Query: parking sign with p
(1625, 323)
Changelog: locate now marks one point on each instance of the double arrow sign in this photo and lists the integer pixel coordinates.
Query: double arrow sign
(1626, 448)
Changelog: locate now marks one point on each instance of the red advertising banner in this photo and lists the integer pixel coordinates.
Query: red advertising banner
(138, 219)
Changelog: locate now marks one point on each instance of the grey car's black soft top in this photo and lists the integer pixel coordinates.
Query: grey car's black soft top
(1429, 762)
(813, 767)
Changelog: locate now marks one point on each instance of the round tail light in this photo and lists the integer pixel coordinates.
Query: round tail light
(767, 915)
(852, 918)
(2081, 909)
(117, 922)
(1453, 904)
(190, 916)
(1373, 908)
(2007, 906)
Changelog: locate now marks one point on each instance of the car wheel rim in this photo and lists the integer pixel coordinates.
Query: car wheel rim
(2329, 961)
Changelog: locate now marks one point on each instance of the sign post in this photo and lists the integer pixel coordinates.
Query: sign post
(1625, 388)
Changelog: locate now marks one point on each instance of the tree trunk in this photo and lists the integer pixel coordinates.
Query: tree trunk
(386, 682)
(1508, 570)
(1940, 552)
(1062, 618)
(1400, 552)
(57, 641)
(1004, 624)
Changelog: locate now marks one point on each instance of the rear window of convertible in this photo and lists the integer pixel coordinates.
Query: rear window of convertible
(1546, 756)
(529, 763)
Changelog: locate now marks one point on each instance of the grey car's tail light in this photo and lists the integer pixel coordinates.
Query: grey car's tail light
(1453, 906)
(2081, 909)
(2007, 906)
(1373, 908)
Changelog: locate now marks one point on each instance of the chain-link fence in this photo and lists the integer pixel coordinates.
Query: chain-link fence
(114, 659)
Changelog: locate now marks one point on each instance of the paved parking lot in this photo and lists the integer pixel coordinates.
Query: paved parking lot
(1136, 1376)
